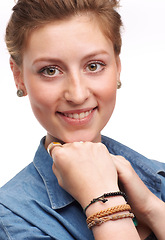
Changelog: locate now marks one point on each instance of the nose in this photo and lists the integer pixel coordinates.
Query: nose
(77, 91)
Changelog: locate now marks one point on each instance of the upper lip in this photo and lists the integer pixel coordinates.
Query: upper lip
(77, 111)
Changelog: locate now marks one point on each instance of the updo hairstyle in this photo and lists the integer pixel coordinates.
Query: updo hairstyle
(31, 14)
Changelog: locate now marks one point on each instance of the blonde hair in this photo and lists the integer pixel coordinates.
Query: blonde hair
(30, 14)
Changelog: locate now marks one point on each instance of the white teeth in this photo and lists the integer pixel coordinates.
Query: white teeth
(75, 116)
(82, 115)
(86, 114)
(70, 115)
(78, 116)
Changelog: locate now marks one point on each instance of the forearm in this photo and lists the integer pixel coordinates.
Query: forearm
(121, 229)
(156, 218)
(148, 209)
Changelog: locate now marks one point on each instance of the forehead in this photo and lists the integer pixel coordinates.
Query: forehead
(88, 20)
(81, 33)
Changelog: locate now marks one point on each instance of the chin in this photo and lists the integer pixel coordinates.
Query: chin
(85, 137)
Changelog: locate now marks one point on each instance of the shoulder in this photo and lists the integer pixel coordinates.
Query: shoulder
(21, 203)
(23, 187)
(12, 196)
(118, 148)
(151, 172)
(21, 180)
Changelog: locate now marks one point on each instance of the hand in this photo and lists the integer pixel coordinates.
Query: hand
(140, 198)
(85, 170)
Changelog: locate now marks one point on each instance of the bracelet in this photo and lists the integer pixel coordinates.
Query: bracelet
(109, 211)
(106, 195)
(99, 221)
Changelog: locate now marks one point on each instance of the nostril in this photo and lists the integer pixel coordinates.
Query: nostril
(77, 96)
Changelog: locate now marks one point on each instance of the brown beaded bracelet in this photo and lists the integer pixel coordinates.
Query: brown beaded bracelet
(103, 197)
(109, 211)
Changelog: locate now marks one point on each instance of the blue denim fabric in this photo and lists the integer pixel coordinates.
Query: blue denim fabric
(33, 205)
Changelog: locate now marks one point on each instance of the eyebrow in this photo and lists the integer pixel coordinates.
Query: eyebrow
(96, 53)
(54, 59)
(46, 59)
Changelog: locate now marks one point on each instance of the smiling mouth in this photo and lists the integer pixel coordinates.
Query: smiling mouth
(78, 116)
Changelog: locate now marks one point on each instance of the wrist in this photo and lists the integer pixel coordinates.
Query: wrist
(154, 212)
(99, 206)
(88, 196)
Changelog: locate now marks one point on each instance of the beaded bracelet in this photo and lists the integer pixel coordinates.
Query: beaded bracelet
(109, 211)
(99, 221)
(106, 195)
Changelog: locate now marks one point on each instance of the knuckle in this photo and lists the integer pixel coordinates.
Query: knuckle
(76, 144)
(101, 145)
(57, 152)
(124, 160)
(127, 163)
(54, 151)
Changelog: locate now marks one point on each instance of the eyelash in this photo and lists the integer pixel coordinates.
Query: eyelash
(56, 68)
(102, 65)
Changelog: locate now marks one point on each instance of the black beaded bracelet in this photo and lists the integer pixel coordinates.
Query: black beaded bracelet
(106, 195)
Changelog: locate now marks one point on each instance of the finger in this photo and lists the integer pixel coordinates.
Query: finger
(57, 174)
(133, 185)
(51, 146)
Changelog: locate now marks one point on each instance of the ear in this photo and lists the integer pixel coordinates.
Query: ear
(18, 76)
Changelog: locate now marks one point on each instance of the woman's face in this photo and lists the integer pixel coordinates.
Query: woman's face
(70, 73)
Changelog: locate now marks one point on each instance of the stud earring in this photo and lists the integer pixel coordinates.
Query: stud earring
(20, 93)
(119, 84)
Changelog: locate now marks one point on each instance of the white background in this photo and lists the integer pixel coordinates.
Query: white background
(139, 117)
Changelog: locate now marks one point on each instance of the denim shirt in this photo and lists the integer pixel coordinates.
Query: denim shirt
(33, 206)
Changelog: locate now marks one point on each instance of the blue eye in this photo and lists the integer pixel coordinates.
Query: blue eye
(50, 71)
(95, 66)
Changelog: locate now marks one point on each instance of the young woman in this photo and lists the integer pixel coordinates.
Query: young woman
(65, 57)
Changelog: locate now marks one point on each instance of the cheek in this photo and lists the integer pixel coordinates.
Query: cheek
(107, 93)
(107, 102)
(107, 87)
(43, 99)
(39, 99)
(43, 105)
(41, 94)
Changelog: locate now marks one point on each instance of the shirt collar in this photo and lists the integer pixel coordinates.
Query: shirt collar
(58, 197)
